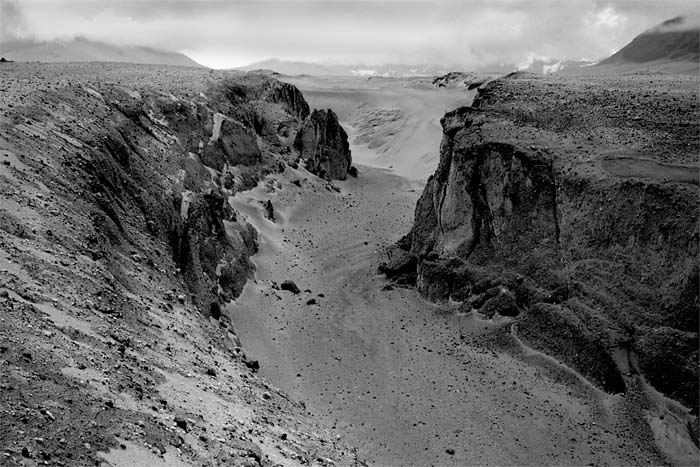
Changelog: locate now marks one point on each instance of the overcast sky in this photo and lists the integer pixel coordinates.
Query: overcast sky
(469, 33)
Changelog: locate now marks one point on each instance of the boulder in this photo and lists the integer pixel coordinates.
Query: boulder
(290, 286)
(269, 211)
(323, 143)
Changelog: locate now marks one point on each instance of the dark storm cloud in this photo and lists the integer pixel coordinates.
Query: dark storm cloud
(469, 33)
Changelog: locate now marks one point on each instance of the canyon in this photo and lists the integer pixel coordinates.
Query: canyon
(228, 268)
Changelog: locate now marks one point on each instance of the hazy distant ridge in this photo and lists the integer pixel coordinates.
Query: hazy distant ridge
(296, 68)
(85, 50)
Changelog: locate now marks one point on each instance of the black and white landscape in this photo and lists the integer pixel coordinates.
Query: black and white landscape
(338, 233)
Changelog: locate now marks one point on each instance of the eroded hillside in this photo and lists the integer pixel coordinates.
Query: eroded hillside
(568, 207)
(118, 252)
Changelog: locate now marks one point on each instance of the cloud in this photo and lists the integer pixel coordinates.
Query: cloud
(12, 23)
(449, 32)
(608, 17)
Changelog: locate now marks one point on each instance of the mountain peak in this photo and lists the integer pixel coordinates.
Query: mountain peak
(672, 44)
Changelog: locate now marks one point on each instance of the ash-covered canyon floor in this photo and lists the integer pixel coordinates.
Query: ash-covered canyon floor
(411, 382)
(408, 382)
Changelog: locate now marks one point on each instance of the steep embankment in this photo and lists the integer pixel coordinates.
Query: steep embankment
(118, 250)
(571, 205)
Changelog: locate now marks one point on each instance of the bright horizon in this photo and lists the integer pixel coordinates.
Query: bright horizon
(469, 34)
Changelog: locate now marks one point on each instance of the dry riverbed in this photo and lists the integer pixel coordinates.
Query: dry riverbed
(409, 382)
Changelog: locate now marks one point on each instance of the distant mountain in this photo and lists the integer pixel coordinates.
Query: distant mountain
(674, 41)
(85, 50)
(292, 68)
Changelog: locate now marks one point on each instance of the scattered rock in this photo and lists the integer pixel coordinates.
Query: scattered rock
(290, 286)
(181, 423)
(269, 211)
(254, 365)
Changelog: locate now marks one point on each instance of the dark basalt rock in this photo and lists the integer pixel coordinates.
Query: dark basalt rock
(235, 145)
(290, 96)
(324, 145)
(253, 365)
(290, 286)
(401, 266)
(269, 211)
(201, 246)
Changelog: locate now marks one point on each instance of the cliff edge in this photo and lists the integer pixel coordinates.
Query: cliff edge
(569, 207)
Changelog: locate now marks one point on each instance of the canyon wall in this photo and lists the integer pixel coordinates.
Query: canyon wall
(553, 207)
(119, 250)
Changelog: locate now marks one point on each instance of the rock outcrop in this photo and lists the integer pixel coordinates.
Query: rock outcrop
(323, 143)
(536, 211)
(224, 141)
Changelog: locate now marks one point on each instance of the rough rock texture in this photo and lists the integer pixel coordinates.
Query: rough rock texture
(324, 145)
(575, 203)
(118, 245)
(458, 79)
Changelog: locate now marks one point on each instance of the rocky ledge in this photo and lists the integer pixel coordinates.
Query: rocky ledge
(569, 206)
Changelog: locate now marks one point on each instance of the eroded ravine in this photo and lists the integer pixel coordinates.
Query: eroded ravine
(405, 380)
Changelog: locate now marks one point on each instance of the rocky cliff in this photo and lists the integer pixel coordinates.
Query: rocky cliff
(323, 143)
(119, 250)
(570, 205)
